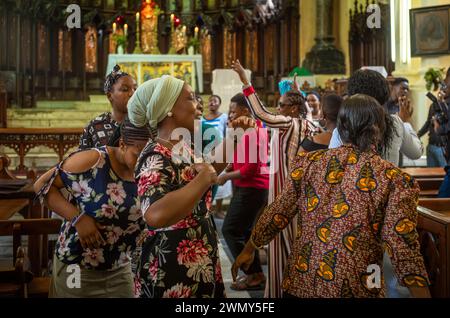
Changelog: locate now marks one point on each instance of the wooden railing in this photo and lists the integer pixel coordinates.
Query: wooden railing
(22, 140)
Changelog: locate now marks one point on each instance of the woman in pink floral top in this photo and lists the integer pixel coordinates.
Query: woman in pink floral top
(181, 260)
(180, 256)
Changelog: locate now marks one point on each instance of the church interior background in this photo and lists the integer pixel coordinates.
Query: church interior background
(51, 77)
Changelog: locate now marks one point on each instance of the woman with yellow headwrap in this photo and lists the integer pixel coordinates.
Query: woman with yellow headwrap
(180, 257)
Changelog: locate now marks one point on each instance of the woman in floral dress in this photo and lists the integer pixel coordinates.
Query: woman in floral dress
(180, 256)
(103, 222)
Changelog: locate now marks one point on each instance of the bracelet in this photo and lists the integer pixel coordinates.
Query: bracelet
(75, 220)
(249, 91)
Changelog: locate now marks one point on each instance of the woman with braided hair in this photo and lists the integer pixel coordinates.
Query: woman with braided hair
(290, 127)
(119, 87)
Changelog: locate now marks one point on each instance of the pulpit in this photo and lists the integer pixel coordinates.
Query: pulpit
(147, 66)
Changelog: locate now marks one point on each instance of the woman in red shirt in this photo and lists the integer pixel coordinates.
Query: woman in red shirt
(250, 175)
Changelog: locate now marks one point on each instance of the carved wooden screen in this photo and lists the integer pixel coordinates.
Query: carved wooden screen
(64, 51)
(43, 52)
(229, 45)
(369, 46)
(251, 50)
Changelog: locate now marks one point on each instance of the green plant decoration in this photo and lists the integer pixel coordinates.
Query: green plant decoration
(195, 43)
(433, 78)
(121, 40)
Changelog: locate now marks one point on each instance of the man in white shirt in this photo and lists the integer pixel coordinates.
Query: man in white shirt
(405, 139)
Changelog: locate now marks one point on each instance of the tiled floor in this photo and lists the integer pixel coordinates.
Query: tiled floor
(226, 261)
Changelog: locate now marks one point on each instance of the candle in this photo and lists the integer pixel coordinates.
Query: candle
(137, 17)
(172, 18)
(196, 32)
(114, 27)
(125, 29)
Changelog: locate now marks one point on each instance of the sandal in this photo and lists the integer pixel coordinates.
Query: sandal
(243, 285)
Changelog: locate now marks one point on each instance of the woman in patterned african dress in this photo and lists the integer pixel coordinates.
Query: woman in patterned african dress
(352, 206)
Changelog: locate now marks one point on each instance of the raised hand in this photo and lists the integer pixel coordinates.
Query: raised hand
(207, 171)
(237, 67)
(406, 109)
(243, 122)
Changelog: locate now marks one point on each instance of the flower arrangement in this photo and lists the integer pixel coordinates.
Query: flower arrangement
(120, 39)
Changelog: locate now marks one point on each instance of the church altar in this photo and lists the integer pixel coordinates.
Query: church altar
(147, 66)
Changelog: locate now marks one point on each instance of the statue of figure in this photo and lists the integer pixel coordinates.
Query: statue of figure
(149, 33)
(179, 40)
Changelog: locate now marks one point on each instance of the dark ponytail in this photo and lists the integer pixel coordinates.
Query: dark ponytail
(363, 122)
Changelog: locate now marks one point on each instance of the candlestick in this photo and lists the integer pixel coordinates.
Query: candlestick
(137, 48)
(196, 32)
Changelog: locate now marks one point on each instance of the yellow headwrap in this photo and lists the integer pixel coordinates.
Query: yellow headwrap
(153, 100)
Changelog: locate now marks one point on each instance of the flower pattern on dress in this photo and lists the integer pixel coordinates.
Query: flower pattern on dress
(113, 203)
(116, 192)
(183, 259)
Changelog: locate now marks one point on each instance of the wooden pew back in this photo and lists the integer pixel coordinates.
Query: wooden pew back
(21, 280)
(434, 235)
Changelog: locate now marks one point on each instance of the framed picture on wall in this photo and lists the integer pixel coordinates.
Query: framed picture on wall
(430, 31)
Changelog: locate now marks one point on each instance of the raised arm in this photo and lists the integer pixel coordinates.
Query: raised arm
(259, 110)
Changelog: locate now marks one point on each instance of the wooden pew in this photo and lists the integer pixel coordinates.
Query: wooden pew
(10, 207)
(421, 173)
(429, 179)
(14, 281)
(434, 235)
(12, 188)
(37, 286)
(429, 187)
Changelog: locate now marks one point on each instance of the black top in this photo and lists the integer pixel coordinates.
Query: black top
(435, 139)
(310, 145)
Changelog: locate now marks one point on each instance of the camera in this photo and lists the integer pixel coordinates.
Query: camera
(440, 110)
(441, 115)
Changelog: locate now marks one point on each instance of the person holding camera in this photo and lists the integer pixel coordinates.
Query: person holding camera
(441, 125)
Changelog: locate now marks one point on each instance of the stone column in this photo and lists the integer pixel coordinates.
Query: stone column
(324, 57)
